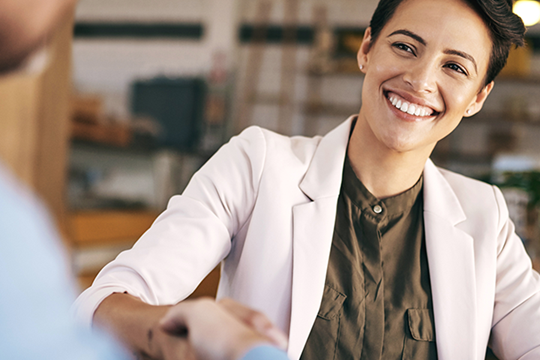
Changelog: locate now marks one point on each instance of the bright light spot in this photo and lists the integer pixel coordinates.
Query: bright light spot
(528, 11)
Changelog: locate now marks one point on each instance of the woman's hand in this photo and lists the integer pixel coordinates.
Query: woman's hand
(137, 325)
(223, 330)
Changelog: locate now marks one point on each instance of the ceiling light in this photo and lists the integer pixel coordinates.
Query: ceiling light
(528, 11)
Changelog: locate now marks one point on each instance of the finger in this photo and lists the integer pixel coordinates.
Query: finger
(174, 321)
(256, 320)
(250, 317)
(177, 320)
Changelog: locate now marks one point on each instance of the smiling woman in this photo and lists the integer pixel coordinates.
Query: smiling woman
(355, 243)
(408, 67)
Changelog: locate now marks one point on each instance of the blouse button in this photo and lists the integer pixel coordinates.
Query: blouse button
(377, 209)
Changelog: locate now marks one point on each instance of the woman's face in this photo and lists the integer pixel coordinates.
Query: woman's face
(423, 73)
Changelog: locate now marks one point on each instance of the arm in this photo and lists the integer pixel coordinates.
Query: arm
(137, 326)
(201, 329)
(185, 243)
(516, 317)
(36, 289)
(265, 352)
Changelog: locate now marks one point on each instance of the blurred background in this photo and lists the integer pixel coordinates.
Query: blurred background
(134, 95)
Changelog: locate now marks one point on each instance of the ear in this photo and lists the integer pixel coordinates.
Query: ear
(362, 55)
(478, 102)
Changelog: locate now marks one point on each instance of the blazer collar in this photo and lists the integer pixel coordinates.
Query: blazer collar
(323, 177)
(313, 225)
(439, 197)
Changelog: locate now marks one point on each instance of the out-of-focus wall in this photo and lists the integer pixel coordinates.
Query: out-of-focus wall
(340, 12)
(109, 66)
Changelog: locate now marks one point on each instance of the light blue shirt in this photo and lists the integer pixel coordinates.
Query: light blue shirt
(36, 290)
(265, 352)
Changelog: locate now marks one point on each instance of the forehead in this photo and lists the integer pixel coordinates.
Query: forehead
(451, 24)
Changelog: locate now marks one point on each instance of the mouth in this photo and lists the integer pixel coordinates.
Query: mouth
(408, 107)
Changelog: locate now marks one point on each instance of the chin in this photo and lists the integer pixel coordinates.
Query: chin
(404, 145)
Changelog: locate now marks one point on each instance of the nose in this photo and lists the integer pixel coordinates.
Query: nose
(421, 77)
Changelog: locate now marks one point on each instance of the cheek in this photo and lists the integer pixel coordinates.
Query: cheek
(458, 98)
(461, 102)
(385, 69)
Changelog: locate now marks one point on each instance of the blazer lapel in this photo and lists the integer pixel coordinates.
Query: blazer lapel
(313, 227)
(450, 254)
(450, 251)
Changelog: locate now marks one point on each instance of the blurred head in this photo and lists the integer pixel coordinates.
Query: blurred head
(24, 27)
(506, 28)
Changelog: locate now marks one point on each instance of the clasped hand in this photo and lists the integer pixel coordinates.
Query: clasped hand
(210, 330)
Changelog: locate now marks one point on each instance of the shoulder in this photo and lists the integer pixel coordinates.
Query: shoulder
(301, 146)
(477, 198)
(464, 186)
(19, 208)
(31, 238)
(266, 150)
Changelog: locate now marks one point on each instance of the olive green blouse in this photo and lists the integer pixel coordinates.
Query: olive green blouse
(377, 298)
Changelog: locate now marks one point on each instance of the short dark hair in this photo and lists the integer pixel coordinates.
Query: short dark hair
(506, 28)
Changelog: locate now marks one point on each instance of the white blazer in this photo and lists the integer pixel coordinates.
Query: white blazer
(265, 204)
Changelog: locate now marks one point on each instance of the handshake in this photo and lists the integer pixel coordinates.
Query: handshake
(220, 330)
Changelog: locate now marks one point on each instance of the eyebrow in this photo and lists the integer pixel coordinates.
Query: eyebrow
(409, 34)
(448, 52)
(463, 55)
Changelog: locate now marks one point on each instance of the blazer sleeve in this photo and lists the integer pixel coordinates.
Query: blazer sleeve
(191, 236)
(516, 318)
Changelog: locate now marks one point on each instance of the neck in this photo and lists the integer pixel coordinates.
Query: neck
(384, 172)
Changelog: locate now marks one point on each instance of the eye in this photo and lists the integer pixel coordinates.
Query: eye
(457, 68)
(404, 47)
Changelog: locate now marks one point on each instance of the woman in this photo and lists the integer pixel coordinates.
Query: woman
(355, 244)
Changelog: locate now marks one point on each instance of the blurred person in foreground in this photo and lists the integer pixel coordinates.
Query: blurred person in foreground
(35, 286)
(354, 243)
(36, 289)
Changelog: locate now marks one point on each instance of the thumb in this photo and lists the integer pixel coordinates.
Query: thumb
(174, 322)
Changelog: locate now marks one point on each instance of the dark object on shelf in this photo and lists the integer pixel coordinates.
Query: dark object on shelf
(348, 41)
(276, 34)
(177, 104)
(138, 30)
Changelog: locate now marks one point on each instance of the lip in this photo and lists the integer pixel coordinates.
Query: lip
(411, 99)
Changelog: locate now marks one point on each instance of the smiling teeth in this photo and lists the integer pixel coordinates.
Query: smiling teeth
(412, 109)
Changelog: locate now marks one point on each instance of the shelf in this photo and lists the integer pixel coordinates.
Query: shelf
(346, 73)
(315, 109)
(531, 79)
(496, 118)
(110, 134)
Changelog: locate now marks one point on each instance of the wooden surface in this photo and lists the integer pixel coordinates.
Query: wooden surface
(98, 228)
(105, 229)
(111, 134)
(208, 287)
